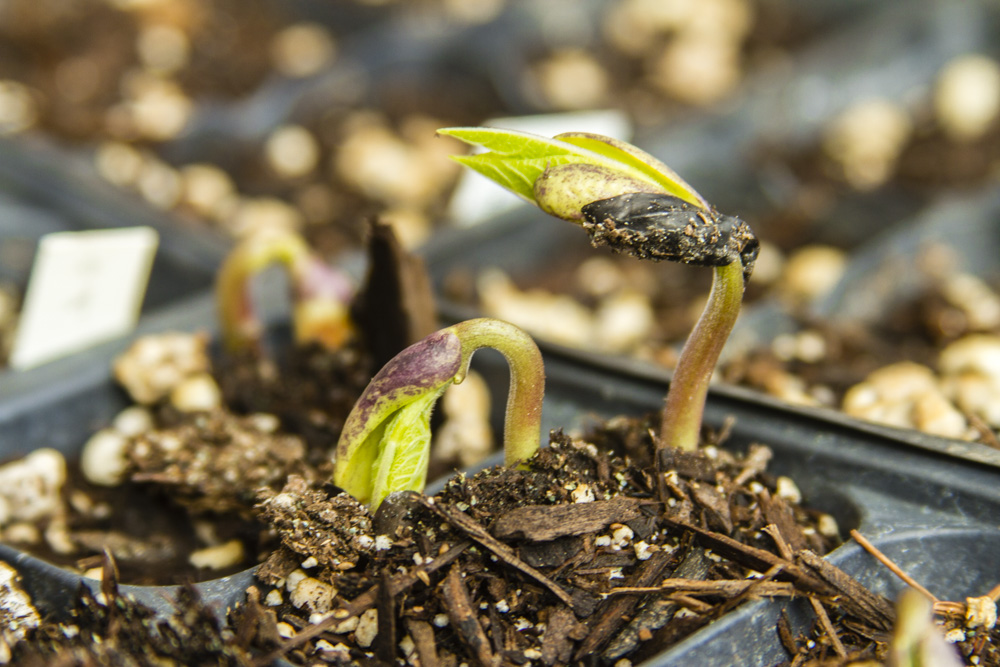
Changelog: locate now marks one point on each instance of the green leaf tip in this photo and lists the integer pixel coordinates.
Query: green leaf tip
(397, 402)
(564, 173)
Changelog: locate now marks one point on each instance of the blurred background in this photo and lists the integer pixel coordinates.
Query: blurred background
(860, 140)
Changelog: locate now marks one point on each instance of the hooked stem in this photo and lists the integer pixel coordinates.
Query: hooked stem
(680, 421)
(523, 418)
(320, 295)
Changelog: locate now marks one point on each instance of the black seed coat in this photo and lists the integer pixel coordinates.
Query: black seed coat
(659, 226)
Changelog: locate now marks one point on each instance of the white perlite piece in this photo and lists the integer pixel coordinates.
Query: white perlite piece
(367, 628)
(584, 493)
(905, 395)
(786, 488)
(17, 614)
(866, 139)
(621, 535)
(218, 557)
(133, 420)
(827, 526)
(31, 488)
(313, 594)
(980, 612)
(197, 393)
(967, 97)
(955, 635)
(151, 368)
(104, 459)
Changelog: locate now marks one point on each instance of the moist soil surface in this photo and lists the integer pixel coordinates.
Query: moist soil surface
(194, 478)
(578, 558)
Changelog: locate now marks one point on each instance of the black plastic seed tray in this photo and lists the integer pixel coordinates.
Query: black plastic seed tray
(932, 512)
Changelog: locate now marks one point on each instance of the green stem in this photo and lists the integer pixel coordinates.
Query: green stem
(680, 424)
(523, 420)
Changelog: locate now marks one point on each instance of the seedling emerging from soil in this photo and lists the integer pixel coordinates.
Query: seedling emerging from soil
(632, 202)
(385, 444)
(321, 295)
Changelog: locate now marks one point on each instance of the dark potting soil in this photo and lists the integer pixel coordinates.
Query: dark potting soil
(194, 478)
(578, 554)
(550, 562)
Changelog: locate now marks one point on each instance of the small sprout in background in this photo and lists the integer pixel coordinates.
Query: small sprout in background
(385, 444)
(321, 295)
(628, 200)
(917, 641)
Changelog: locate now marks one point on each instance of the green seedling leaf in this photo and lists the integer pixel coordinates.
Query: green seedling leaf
(385, 444)
(563, 174)
(630, 201)
(917, 641)
(424, 369)
(640, 160)
(404, 449)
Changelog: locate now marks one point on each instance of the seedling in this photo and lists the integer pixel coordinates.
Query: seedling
(628, 200)
(321, 296)
(385, 444)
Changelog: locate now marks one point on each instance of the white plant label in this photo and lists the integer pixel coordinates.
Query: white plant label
(85, 288)
(477, 197)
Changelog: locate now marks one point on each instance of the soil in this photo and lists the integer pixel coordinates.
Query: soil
(193, 478)
(576, 557)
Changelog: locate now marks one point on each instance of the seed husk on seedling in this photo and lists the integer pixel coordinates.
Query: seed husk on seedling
(632, 202)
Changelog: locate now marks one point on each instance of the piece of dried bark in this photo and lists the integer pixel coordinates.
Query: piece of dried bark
(561, 630)
(547, 522)
(423, 640)
(471, 527)
(855, 598)
(693, 465)
(657, 612)
(715, 505)
(778, 513)
(756, 559)
(463, 617)
(385, 641)
(401, 582)
(554, 553)
(613, 611)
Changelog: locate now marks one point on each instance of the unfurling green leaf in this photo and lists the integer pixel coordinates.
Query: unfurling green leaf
(627, 199)
(535, 168)
(404, 449)
(423, 369)
(385, 444)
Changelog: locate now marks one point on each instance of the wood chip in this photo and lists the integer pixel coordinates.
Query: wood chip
(561, 630)
(874, 609)
(614, 611)
(463, 617)
(423, 639)
(777, 512)
(471, 527)
(715, 506)
(547, 522)
(385, 641)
